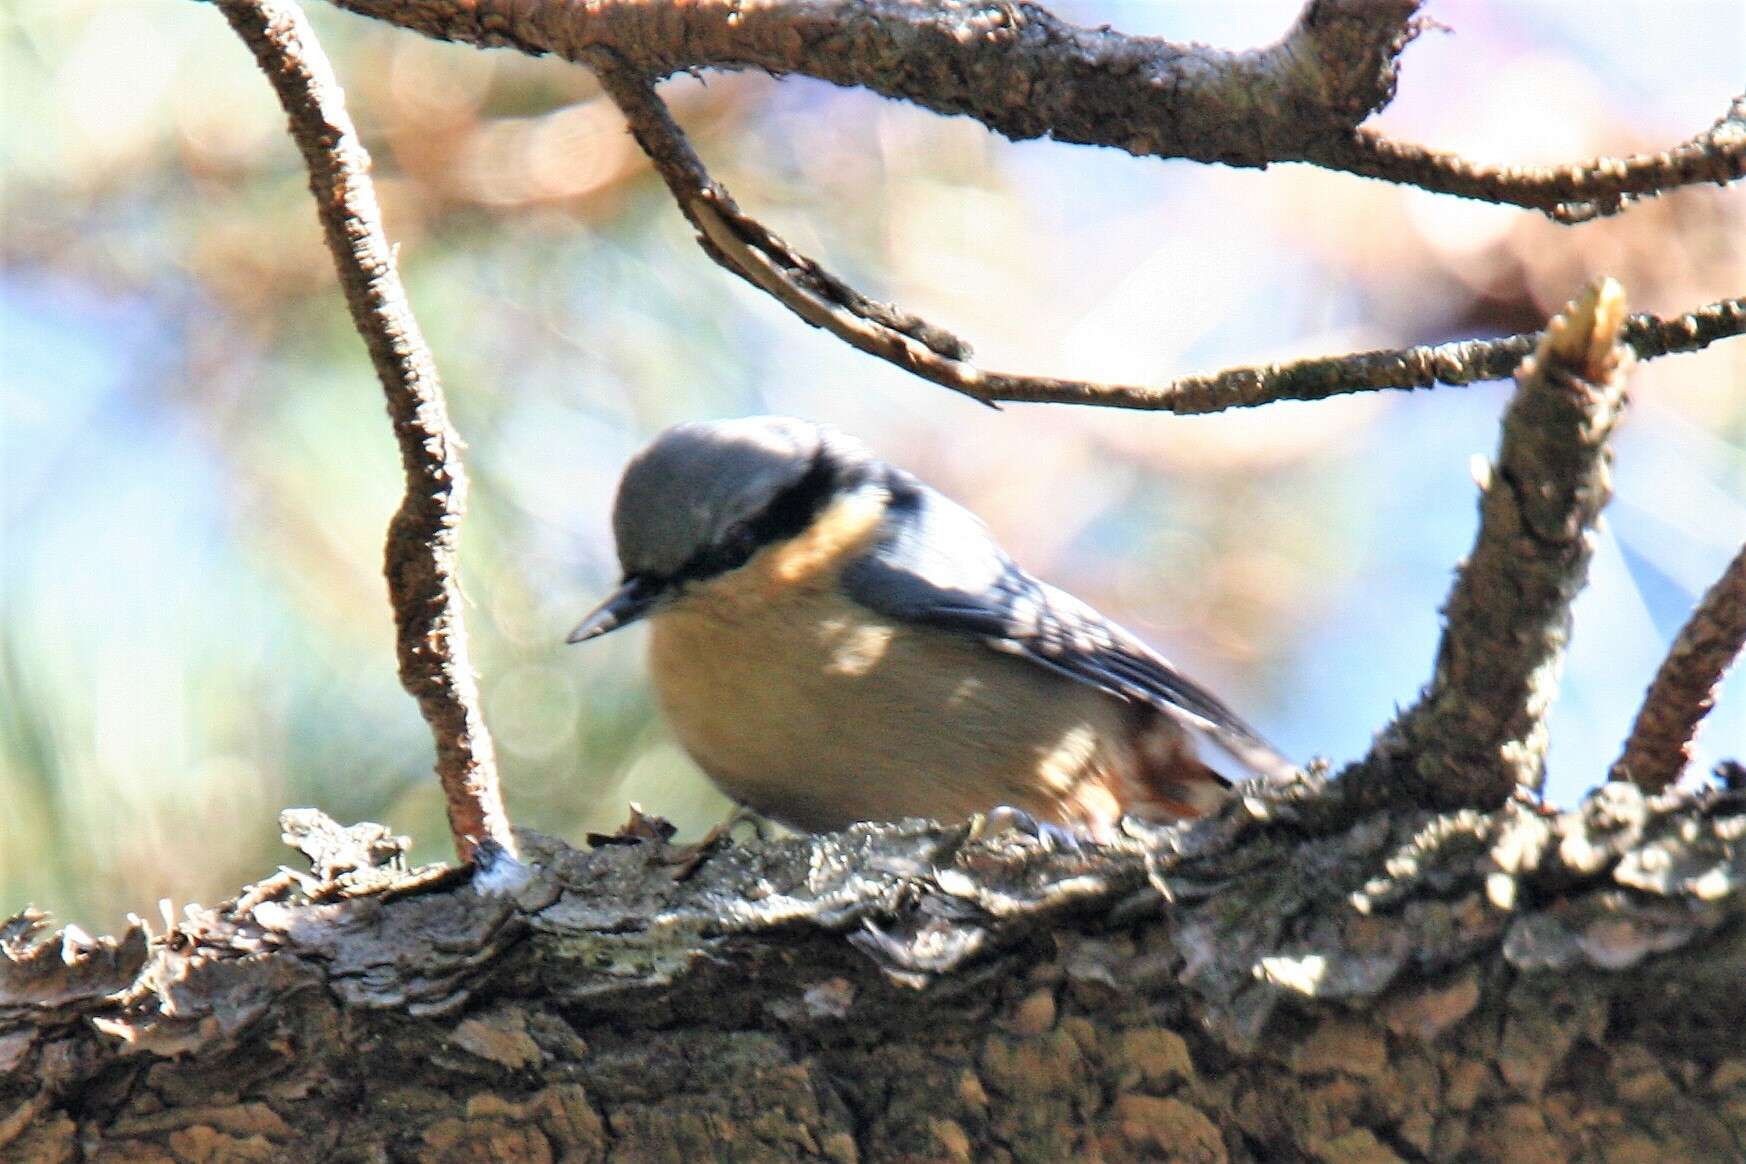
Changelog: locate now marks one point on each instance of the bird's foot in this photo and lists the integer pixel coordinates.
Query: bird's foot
(685, 859)
(1006, 818)
(497, 872)
(761, 825)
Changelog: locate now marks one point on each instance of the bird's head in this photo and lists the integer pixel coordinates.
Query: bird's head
(705, 496)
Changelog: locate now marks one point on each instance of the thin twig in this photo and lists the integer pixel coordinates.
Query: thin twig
(746, 247)
(1462, 362)
(749, 249)
(1569, 193)
(1684, 687)
(421, 550)
(1479, 729)
(1025, 73)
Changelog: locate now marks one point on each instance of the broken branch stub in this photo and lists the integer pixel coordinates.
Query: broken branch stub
(1478, 731)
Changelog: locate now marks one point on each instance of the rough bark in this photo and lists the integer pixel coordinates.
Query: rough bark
(1409, 986)
(1013, 66)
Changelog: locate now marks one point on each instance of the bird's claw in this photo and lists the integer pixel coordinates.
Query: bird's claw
(687, 858)
(1051, 836)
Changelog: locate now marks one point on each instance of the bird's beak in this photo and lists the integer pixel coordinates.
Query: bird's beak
(635, 598)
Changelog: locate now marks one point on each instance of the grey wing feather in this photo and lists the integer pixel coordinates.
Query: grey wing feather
(937, 565)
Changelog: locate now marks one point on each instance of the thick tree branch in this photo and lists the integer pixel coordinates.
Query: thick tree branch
(1467, 986)
(1013, 66)
(421, 552)
(1684, 687)
(1479, 729)
(1024, 73)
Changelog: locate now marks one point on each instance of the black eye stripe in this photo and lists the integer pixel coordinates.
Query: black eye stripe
(793, 509)
(788, 514)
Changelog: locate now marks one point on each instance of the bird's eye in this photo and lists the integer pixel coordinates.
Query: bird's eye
(737, 543)
(740, 541)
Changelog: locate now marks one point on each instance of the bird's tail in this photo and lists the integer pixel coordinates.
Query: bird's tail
(1184, 773)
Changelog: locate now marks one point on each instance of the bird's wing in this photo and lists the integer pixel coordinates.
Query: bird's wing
(939, 566)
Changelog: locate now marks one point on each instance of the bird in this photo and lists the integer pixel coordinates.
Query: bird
(833, 641)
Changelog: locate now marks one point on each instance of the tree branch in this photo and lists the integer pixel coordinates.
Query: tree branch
(1024, 73)
(1472, 986)
(896, 49)
(1479, 730)
(744, 246)
(1684, 687)
(1576, 192)
(1013, 66)
(421, 550)
(1462, 362)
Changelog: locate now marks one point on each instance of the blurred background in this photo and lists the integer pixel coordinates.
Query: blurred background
(198, 473)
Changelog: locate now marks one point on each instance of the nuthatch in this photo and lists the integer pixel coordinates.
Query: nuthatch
(833, 641)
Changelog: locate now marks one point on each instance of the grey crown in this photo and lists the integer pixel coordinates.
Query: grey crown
(697, 481)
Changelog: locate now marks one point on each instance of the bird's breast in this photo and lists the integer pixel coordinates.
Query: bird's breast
(817, 712)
